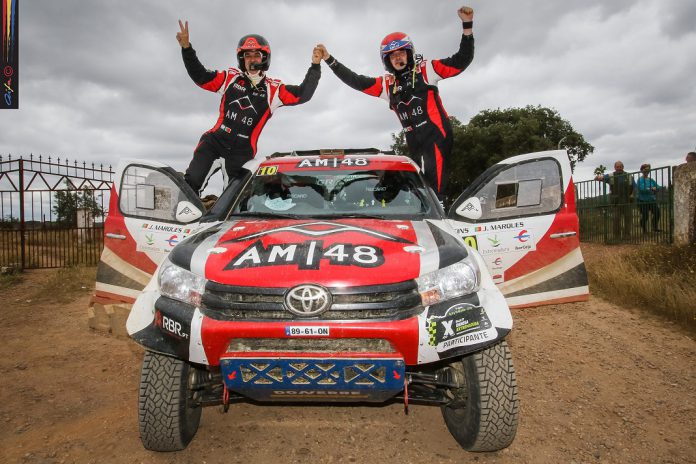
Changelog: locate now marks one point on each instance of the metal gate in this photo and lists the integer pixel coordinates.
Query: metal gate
(646, 216)
(52, 212)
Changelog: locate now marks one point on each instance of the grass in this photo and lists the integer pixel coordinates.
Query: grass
(9, 280)
(51, 248)
(64, 284)
(657, 278)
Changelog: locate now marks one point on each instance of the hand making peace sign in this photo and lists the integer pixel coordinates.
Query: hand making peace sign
(183, 35)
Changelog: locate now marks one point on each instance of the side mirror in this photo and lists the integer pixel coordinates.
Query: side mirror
(470, 209)
(187, 212)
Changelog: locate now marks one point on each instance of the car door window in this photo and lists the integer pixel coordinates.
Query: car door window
(529, 188)
(149, 194)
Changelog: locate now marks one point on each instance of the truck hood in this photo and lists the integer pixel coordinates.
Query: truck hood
(332, 253)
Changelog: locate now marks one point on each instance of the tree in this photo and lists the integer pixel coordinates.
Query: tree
(493, 135)
(67, 202)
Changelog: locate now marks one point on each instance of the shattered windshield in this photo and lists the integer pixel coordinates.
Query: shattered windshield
(335, 193)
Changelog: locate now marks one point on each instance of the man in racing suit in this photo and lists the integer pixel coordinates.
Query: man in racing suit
(249, 98)
(410, 88)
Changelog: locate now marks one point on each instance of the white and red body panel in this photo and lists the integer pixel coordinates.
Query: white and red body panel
(534, 259)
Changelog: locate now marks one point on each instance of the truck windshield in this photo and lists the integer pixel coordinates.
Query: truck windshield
(339, 193)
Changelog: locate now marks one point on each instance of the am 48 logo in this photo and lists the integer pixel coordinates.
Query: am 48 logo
(307, 255)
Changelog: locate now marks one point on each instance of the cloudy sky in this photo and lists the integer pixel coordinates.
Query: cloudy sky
(101, 80)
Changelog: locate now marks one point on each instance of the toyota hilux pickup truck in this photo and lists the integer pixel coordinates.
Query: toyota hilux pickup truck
(336, 276)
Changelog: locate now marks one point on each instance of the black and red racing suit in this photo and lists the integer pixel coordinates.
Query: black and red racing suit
(413, 95)
(244, 110)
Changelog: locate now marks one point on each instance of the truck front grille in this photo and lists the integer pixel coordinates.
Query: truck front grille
(393, 301)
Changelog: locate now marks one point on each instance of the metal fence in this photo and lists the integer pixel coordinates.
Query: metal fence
(52, 212)
(645, 215)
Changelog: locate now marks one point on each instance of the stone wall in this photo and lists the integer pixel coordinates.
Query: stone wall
(109, 318)
(685, 204)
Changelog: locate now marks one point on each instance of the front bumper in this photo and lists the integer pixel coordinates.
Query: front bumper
(441, 331)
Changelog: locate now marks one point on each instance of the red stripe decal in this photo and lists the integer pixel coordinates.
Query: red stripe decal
(434, 112)
(375, 89)
(438, 163)
(105, 298)
(549, 250)
(214, 84)
(445, 71)
(257, 130)
(286, 97)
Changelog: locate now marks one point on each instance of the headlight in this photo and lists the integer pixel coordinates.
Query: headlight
(178, 283)
(459, 279)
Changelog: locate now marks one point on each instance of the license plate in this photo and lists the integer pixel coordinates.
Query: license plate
(306, 331)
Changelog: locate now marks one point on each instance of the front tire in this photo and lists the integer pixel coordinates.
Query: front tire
(483, 413)
(167, 414)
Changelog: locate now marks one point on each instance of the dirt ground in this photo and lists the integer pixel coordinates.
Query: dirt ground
(597, 383)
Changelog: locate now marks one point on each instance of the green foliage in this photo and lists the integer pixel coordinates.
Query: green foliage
(399, 146)
(67, 203)
(600, 170)
(494, 135)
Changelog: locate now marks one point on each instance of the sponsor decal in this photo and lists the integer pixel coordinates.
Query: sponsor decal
(267, 171)
(170, 326)
(408, 103)
(333, 162)
(9, 56)
(498, 261)
(244, 103)
(160, 238)
(523, 236)
(471, 241)
(469, 207)
(166, 228)
(461, 324)
(322, 393)
(514, 241)
(491, 227)
(306, 255)
(320, 229)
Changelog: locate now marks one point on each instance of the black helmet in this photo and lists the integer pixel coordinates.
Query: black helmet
(254, 42)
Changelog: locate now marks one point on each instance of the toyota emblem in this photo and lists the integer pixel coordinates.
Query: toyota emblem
(307, 300)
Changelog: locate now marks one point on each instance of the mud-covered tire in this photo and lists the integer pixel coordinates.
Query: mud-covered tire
(483, 416)
(168, 417)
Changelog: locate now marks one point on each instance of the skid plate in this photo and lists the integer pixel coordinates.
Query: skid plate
(314, 379)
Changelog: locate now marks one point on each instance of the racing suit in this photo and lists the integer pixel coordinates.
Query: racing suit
(413, 95)
(244, 110)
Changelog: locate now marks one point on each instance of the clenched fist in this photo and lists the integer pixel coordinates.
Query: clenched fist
(316, 55)
(466, 13)
(183, 35)
(324, 52)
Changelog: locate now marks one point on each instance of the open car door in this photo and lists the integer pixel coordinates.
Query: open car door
(520, 215)
(151, 210)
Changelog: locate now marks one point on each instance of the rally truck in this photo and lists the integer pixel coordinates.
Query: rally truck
(336, 276)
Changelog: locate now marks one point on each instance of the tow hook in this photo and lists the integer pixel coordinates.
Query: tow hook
(225, 398)
(407, 379)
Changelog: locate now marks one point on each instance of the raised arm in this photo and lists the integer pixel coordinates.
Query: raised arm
(369, 85)
(204, 78)
(297, 94)
(455, 64)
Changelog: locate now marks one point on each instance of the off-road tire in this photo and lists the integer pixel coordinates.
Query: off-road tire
(167, 414)
(483, 415)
